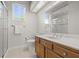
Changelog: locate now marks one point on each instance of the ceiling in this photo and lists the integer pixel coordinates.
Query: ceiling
(52, 6)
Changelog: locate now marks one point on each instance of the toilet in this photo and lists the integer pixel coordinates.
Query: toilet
(29, 43)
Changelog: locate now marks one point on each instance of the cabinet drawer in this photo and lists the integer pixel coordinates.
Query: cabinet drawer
(64, 52)
(59, 50)
(46, 43)
(71, 54)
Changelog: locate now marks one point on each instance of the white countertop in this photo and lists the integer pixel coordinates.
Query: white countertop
(67, 40)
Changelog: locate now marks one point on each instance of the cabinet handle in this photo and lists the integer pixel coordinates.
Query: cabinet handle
(64, 53)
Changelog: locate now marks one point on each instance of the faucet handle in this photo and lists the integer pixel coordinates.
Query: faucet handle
(25, 38)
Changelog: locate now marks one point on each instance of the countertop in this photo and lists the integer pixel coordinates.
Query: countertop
(67, 40)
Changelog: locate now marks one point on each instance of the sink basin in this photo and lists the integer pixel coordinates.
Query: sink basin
(54, 36)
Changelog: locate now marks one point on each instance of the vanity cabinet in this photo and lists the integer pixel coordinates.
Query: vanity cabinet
(48, 49)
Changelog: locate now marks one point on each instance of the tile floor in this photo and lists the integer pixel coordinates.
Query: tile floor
(20, 53)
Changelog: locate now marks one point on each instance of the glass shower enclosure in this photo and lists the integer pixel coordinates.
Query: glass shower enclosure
(3, 29)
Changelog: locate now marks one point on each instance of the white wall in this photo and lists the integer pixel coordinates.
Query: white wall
(29, 26)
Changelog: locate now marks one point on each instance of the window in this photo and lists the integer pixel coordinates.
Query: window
(46, 18)
(1, 9)
(18, 11)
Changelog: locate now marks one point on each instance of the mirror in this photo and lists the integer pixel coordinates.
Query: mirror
(60, 23)
(66, 19)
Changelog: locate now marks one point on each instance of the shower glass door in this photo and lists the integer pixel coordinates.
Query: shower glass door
(3, 29)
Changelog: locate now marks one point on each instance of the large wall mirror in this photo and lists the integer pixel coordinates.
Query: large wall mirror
(66, 19)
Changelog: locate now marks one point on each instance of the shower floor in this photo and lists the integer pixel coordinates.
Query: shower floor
(20, 52)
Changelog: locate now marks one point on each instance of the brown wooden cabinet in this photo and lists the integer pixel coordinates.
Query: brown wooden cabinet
(48, 49)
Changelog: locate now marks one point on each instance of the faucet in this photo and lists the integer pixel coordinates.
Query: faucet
(55, 35)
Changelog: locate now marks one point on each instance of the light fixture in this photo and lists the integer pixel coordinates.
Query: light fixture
(39, 6)
(52, 5)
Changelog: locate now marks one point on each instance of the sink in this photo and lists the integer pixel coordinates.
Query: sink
(53, 36)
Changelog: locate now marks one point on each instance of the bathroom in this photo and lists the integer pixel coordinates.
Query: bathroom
(22, 22)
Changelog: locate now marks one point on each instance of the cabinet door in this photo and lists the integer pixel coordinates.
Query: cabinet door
(51, 54)
(39, 48)
(41, 51)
